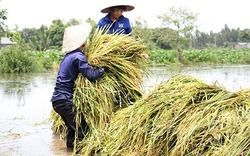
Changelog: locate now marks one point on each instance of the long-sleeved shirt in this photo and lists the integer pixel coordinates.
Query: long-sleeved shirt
(72, 64)
(121, 26)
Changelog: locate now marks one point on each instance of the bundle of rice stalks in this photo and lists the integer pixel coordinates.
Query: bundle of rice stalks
(120, 86)
(117, 89)
(58, 126)
(182, 116)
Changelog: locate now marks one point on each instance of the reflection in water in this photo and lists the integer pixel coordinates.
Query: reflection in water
(15, 90)
(231, 77)
(25, 105)
(14, 86)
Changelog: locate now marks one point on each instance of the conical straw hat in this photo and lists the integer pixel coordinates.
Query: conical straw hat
(128, 6)
(75, 36)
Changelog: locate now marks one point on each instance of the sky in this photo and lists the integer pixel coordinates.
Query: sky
(212, 14)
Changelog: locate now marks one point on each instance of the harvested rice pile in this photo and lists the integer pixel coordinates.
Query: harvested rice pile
(120, 85)
(118, 88)
(183, 116)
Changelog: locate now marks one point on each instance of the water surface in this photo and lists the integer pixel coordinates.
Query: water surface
(25, 105)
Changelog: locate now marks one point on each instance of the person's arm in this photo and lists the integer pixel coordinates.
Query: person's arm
(86, 70)
(99, 24)
(128, 27)
(102, 22)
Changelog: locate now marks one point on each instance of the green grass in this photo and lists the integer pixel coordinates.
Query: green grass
(205, 56)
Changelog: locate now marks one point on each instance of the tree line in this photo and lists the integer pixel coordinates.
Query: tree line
(175, 41)
(178, 31)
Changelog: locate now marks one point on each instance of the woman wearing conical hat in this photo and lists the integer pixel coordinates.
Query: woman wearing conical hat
(73, 63)
(114, 21)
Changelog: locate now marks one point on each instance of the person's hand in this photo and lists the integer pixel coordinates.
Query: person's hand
(144, 55)
(105, 69)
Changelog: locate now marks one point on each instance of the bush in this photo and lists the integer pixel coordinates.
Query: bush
(18, 59)
(49, 58)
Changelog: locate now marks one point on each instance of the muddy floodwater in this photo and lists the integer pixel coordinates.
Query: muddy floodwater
(25, 129)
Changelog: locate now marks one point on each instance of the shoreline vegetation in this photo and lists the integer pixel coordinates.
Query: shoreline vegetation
(18, 59)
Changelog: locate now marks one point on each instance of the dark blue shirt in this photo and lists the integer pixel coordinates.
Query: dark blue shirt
(121, 26)
(72, 64)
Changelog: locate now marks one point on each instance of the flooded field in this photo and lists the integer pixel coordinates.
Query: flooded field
(25, 105)
(24, 115)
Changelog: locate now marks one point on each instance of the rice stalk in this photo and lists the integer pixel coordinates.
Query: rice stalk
(98, 100)
(182, 116)
(58, 125)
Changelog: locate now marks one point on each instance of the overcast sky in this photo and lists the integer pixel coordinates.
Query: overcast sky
(212, 14)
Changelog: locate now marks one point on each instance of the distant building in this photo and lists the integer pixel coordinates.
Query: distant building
(6, 42)
(242, 45)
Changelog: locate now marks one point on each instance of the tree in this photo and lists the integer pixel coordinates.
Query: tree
(3, 17)
(164, 38)
(245, 35)
(182, 21)
(202, 39)
(4, 32)
(71, 22)
(37, 39)
(56, 31)
(43, 38)
(141, 30)
(28, 36)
